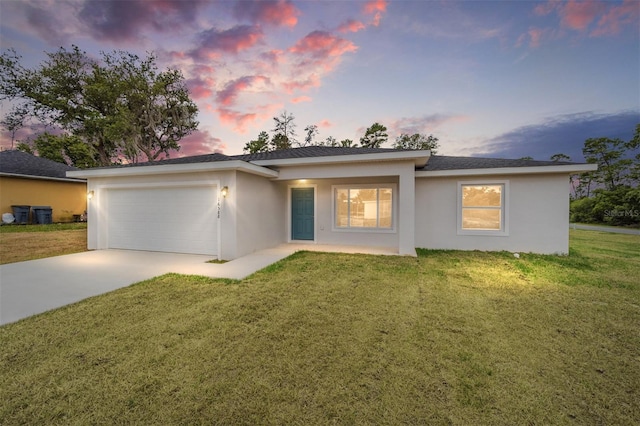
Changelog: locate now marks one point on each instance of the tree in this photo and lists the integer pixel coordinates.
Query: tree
(14, 121)
(119, 106)
(608, 154)
(347, 143)
(311, 133)
(560, 157)
(417, 141)
(157, 111)
(374, 136)
(67, 149)
(258, 145)
(284, 131)
(279, 142)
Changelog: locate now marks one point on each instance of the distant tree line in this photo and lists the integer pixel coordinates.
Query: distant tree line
(611, 194)
(283, 136)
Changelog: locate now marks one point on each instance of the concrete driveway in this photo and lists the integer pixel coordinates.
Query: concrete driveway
(36, 286)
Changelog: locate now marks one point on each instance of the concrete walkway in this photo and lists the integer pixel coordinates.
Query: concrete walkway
(36, 286)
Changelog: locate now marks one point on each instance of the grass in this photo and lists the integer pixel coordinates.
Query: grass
(28, 242)
(446, 338)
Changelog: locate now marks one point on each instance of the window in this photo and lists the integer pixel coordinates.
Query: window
(482, 208)
(364, 207)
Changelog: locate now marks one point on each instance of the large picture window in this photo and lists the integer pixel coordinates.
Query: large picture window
(363, 207)
(482, 208)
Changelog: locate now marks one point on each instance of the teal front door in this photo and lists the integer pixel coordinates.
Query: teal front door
(302, 220)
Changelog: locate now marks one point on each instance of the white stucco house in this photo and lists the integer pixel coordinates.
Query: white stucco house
(229, 206)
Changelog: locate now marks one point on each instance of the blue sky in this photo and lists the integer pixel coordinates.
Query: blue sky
(488, 78)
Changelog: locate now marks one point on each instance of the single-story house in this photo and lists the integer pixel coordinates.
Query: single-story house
(28, 180)
(229, 206)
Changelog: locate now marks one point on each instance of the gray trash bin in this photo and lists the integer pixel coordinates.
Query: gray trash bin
(21, 213)
(42, 215)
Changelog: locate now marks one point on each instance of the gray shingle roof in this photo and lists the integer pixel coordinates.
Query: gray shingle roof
(443, 162)
(309, 151)
(206, 158)
(22, 163)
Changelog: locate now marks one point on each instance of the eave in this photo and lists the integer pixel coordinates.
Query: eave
(56, 179)
(164, 169)
(420, 159)
(565, 169)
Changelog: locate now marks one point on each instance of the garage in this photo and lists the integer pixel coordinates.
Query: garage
(167, 219)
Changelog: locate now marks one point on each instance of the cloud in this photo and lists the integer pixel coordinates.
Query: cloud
(325, 124)
(375, 8)
(425, 123)
(577, 15)
(212, 42)
(117, 20)
(562, 134)
(232, 89)
(240, 121)
(593, 18)
(320, 49)
(276, 13)
(302, 85)
(198, 143)
(628, 13)
(350, 26)
(200, 88)
(300, 99)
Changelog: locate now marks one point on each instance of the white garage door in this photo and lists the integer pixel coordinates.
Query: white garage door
(178, 220)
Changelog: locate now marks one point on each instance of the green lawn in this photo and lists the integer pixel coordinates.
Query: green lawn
(446, 338)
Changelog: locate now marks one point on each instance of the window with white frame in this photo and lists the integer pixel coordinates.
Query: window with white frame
(363, 207)
(482, 208)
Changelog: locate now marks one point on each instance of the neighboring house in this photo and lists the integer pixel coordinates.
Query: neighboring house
(34, 181)
(229, 206)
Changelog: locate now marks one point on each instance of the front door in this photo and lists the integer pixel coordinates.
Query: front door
(302, 221)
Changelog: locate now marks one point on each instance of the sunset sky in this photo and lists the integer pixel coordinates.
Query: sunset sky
(488, 78)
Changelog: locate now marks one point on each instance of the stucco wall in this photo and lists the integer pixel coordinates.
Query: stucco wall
(65, 198)
(538, 215)
(400, 172)
(325, 232)
(260, 214)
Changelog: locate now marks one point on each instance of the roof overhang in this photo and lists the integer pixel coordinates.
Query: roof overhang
(565, 169)
(56, 179)
(420, 158)
(163, 169)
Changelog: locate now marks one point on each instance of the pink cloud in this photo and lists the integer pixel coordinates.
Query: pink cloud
(302, 85)
(300, 99)
(239, 120)
(628, 13)
(325, 124)
(320, 49)
(200, 88)
(375, 8)
(577, 15)
(546, 8)
(425, 124)
(322, 44)
(535, 37)
(277, 13)
(199, 142)
(234, 40)
(229, 94)
(350, 26)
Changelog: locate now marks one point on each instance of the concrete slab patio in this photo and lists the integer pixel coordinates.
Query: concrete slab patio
(36, 286)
